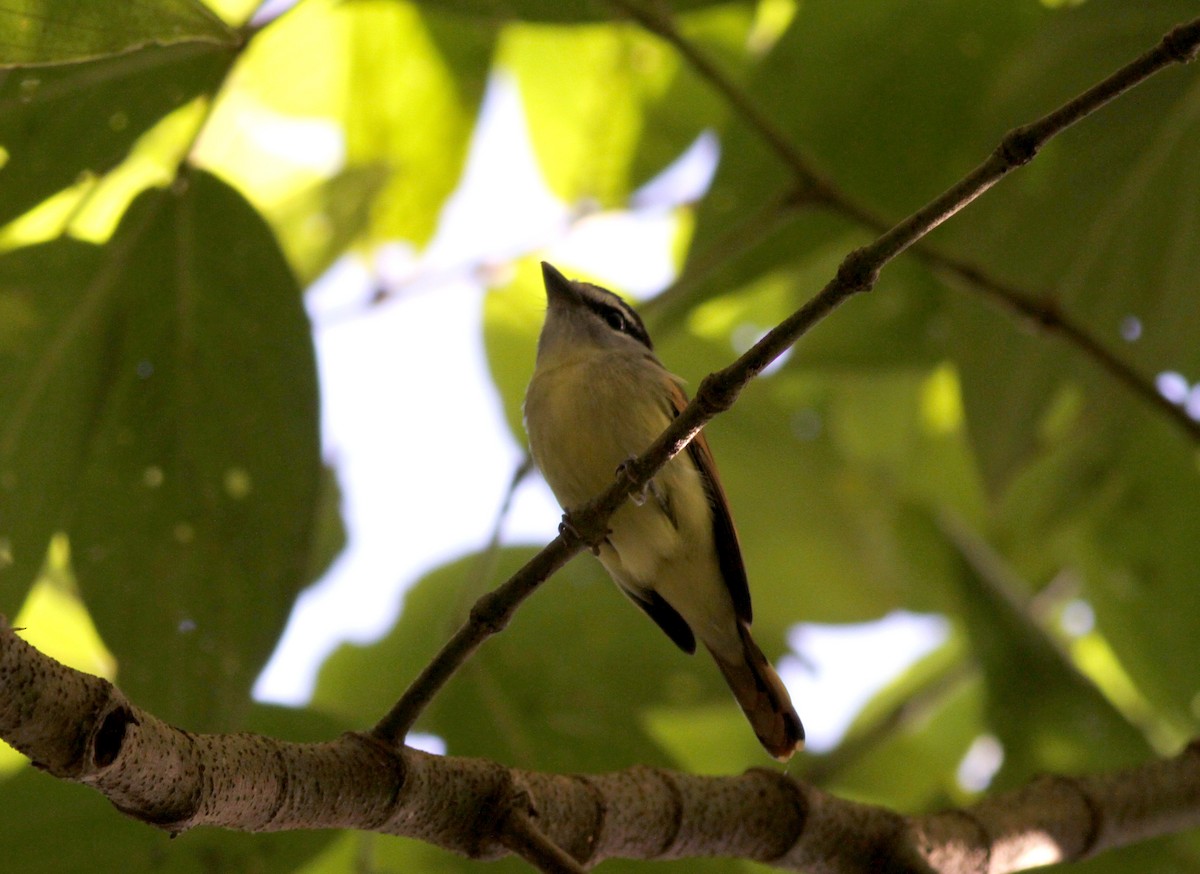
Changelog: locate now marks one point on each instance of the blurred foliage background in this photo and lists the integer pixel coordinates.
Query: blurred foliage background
(162, 495)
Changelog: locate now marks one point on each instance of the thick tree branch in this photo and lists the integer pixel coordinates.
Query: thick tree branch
(1180, 46)
(858, 272)
(81, 728)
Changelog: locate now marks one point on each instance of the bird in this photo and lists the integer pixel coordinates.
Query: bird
(598, 397)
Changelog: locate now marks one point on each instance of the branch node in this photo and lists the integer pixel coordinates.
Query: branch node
(718, 392)
(489, 613)
(667, 779)
(1018, 147)
(1183, 43)
(859, 271)
(1094, 814)
(795, 797)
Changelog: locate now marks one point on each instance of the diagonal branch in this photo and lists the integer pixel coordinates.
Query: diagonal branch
(718, 391)
(1178, 46)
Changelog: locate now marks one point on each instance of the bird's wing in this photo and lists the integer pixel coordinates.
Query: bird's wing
(729, 552)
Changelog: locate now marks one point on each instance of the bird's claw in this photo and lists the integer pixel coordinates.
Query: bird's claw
(625, 472)
(567, 528)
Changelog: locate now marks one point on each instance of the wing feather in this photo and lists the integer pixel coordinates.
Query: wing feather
(729, 551)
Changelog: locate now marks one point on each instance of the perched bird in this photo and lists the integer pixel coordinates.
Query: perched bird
(599, 397)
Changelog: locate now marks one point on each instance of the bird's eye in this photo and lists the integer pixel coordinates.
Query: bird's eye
(615, 320)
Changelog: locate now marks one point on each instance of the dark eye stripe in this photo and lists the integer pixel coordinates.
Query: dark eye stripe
(618, 314)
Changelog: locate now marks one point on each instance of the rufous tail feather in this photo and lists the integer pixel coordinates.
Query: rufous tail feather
(763, 698)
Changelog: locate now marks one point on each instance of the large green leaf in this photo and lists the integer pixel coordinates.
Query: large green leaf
(53, 381)
(162, 392)
(61, 31)
(60, 122)
(889, 136)
(1009, 378)
(622, 105)
(585, 124)
(1088, 476)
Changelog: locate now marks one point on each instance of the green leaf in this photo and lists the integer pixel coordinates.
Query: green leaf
(551, 10)
(53, 382)
(512, 319)
(318, 224)
(1135, 541)
(57, 123)
(180, 370)
(329, 528)
(60, 31)
(686, 105)
(629, 107)
(892, 134)
(402, 82)
(585, 128)
(1009, 378)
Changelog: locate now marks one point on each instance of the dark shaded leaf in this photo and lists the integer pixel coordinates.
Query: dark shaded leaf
(192, 520)
(60, 31)
(57, 123)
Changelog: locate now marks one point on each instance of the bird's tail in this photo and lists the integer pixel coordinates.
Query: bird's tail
(763, 698)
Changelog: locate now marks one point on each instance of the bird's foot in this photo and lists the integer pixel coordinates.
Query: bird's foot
(625, 472)
(568, 528)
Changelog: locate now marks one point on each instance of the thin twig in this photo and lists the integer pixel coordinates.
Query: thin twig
(522, 470)
(526, 840)
(858, 272)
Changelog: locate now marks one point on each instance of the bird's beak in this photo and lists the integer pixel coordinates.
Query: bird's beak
(558, 287)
